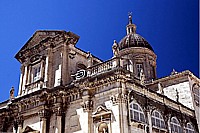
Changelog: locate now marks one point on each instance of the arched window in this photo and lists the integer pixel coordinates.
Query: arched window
(136, 112)
(157, 119)
(189, 128)
(175, 125)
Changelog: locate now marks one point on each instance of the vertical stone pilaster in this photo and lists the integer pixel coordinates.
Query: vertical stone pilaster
(24, 79)
(64, 69)
(20, 84)
(42, 69)
(168, 117)
(46, 72)
(59, 114)
(149, 120)
(29, 75)
(19, 122)
(87, 108)
(50, 70)
(120, 111)
(43, 120)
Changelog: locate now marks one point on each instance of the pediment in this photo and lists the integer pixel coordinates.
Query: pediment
(34, 44)
(42, 39)
(101, 110)
(28, 129)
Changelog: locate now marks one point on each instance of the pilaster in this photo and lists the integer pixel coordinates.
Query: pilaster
(43, 120)
(65, 75)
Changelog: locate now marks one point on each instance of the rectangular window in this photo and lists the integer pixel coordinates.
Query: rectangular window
(36, 71)
(139, 67)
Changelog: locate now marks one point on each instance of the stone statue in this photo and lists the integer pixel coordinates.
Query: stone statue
(174, 72)
(12, 91)
(142, 76)
(89, 58)
(115, 49)
(160, 88)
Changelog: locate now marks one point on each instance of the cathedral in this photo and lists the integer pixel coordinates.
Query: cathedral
(64, 89)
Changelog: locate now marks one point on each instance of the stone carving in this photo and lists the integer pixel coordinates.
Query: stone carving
(119, 98)
(174, 72)
(142, 77)
(160, 88)
(12, 91)
(89, 58)
(87, 105)
(115, 49)
(43, 113)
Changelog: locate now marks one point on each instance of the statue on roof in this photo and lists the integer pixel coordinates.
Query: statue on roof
(115, 49)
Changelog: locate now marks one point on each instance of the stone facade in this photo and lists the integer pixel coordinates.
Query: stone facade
(63, 89)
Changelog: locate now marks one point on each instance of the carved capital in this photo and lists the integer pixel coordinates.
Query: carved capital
(87, 105)
(43, 113)
(59, 111)
(119, 98)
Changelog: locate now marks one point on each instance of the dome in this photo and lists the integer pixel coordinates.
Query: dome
(134, 40)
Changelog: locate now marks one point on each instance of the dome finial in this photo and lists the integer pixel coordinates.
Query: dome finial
(129, 17)
(130, 28)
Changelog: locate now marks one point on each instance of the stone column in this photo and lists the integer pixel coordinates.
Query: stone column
(21, 80)
(42, 69)
(46, 72)
(168, 122)
(29, 75)
(24, 79)
(43, 118)
(50, 80)
(58, 120)
(64, 69)
(87, 108)
(149, 120)
(19, 122)
(120, 112)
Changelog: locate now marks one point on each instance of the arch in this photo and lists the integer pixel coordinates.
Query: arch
(136, 112)
(175, 125)
(189, 128)
(157, 119)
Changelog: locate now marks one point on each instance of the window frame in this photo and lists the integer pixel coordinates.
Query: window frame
(174, 125)
(139, 67)
(188, 129)
(36, 72)
(139, 111)
(158, 119)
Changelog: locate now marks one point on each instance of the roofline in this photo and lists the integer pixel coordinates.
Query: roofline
(170, 77)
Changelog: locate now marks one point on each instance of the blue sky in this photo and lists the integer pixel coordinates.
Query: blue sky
(170, 26)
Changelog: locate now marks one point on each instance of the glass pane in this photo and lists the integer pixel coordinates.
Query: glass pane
(136, 116)
(131, 113)
(135, 106)
(156, 114)
(162, 124)
(157, 123)
(142, 117)
(153, 121)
